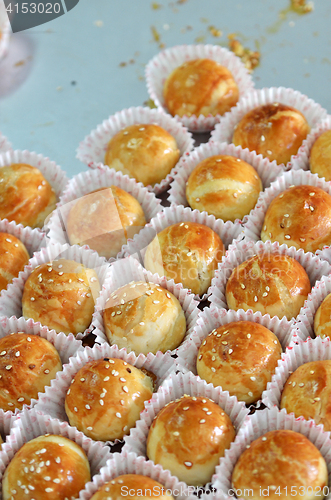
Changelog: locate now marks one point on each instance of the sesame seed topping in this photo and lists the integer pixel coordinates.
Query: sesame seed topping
(8, 367)
(188, 464)
(262, 138)
(46, 371)
(75, 409)
(200, 357)
(253, 378)
(61, 273)
(58, 460)
(301, 384)
(311, 208)
(281, 196)
(317, 399)
(287, 237)
(265, 294)
(213, 369)
(20, 400)
(312, 194)
(294, 384)
(286, 215)
(119, 312)
(125, 389)
(9, 241)
(267, 288)
(176, 433)
(113, 313)
(2, 353)
(243, 286)
(141, 323)
(197, 199)
(89, 428)
(87, 407)
(202, 421)
(186, 226)
(312, 372)
(230, 351)
(48, 490)
(186, 408)
(118, 415)
(249, 335)
(101, 402)
(302, 239)
(269, 152)
(156, 301)
(250, 394)
(122, 379)
(255, 298)
(32, 299)
(224, 342)
(264, 438)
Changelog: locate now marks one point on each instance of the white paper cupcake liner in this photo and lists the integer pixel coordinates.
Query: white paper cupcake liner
(7, 419)
(31, 424)
(253, 223)
(52, 401)
(66, 346)
(11, 298)
(52, 172)
(267, 171)
(136, 247)
(127, 270)
(92, 149)
(298, 354)
(5, 145)
(257, 425)
(312, 111)
(173, 388)
(163, 64)
(213, 317)
(33, 239)
(86, 182)
(302, 161)
(243, 250)
(4, 32)
(130, 463)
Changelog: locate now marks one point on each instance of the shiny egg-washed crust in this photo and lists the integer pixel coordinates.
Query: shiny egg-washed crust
(144, 317)
(188, 437)
(281, 459)
(272, 284)
(241, 357)
(26, 197)
(320, 156)
(299, 217)
(104, 219)
(106, 397)
(28, 363)
(224, 186)
(145, 152)
(275, 131)
(186, 252)
(60, 295)
(136, 484)
(200, 87)
(307, 392)
(13, 257)
(49, 466)
(322, 319)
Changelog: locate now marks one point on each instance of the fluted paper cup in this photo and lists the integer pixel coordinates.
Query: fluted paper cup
(7, 419)
(257, 425)
(130, 463)
(5, 145)
(92, 149)
(244, 250)
(136, 247)
(312, 111)
(5, 32)
(86, 182)
(163, 64)
(253, 223)
(31, 424)
(213, 317)
(127, 270)
(302, 161)
(52, 401)
(11, 298)
(267, 171)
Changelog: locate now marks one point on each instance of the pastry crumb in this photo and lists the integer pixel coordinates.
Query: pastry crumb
(214, 31)
(250, 58)
(301, 6)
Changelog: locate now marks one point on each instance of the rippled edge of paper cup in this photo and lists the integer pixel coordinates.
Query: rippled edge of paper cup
(253, 223)
(227, 231)
(255, 426)
(92, 149)
(130, 463)
(243, 250)
(267, 171)
(83, 184)
(302, 162)
(129, 269)
(31, 424)
(5, 31)
(175, 386)
(313, 112)
(5, 145)
(51, 402)
(162, 65)
(11, 298)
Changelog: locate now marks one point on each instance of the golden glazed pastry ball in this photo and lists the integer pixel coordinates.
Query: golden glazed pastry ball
(200, 87)
(281, 460)
(60, 295)
(299, 217)
(26, 197)
(135, 486)
(272, 284)
(104, 219)
(28, 363)
(188, 437)
(241, 357)
(320, 156)
(144, 317)
(48, 466)
(106, 397)
(186, 252)
(13, 257)
(145, 152)
(307, 392)
(223, 186)
(275, 131)
(322, 319)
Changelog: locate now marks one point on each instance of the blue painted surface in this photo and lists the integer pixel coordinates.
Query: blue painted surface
(69, 75)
